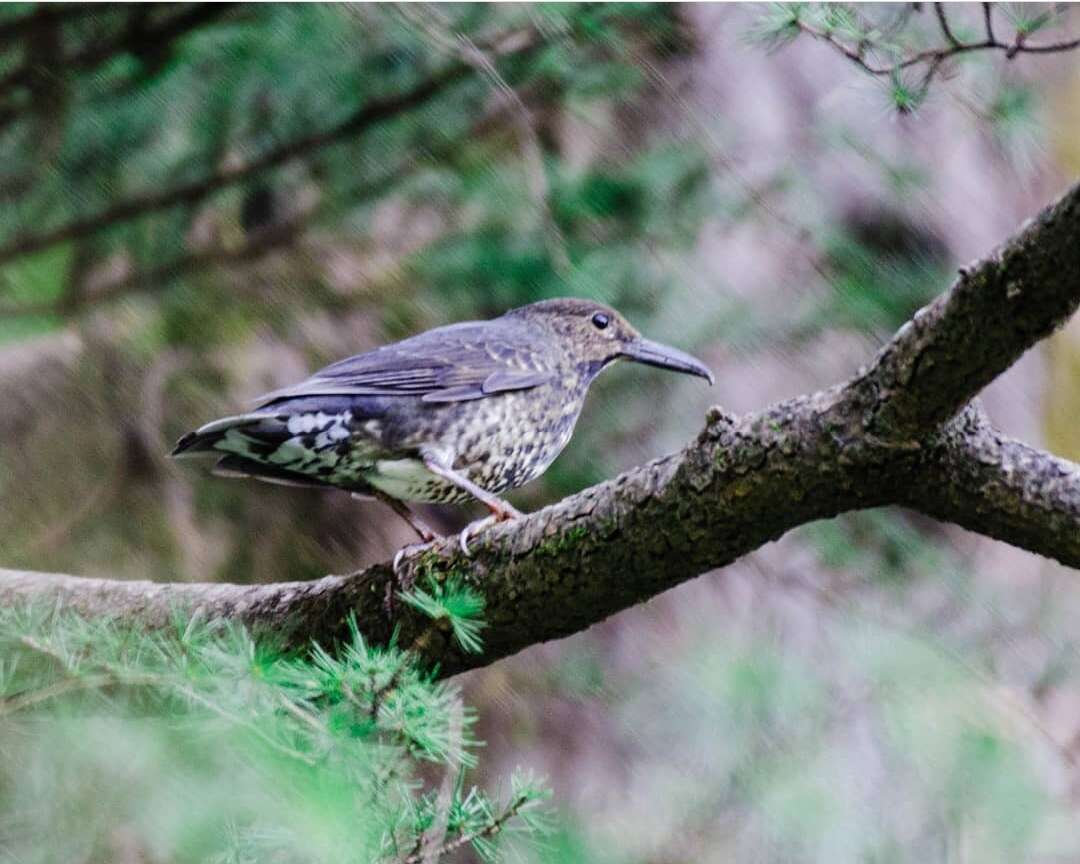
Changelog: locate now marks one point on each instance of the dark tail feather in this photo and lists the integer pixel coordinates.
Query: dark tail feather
(267, 428)
(238, 466)
(192, 444)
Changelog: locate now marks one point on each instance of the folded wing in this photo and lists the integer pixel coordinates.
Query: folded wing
(449, 364)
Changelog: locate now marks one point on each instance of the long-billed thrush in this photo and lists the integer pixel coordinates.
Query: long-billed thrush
(464, 411)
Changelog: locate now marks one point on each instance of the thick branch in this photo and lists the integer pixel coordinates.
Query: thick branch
(739, 484)
(992, 484)
(996, 310)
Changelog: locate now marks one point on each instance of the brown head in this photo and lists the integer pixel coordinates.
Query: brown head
(595, 335)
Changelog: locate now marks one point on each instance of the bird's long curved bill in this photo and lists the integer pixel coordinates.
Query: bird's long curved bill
(666, 357)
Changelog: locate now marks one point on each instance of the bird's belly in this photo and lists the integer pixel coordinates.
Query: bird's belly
(512, 439)
(409, 480)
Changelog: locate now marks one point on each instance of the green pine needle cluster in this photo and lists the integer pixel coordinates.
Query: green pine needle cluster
(454, 604)
(204, 744)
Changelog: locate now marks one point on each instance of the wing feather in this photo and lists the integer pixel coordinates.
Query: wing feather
(449, 364)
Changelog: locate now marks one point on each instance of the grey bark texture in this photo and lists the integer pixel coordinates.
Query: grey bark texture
(897, 433)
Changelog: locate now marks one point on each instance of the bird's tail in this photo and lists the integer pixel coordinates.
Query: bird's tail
(256, 431)
(244, 444)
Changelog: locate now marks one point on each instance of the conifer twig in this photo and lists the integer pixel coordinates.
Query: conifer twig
(933, 58)
(490, 830)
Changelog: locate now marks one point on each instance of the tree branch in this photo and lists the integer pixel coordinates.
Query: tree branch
(266, 239)
(932, 58)
(993, 313)
(742, 482)
(136, 36)
(44, 14)
(987, 482)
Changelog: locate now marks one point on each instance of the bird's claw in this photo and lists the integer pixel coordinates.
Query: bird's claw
(502, 515)
(472, 528)
(403, 581)
(409, 551)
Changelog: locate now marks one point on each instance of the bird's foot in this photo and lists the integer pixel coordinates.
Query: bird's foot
(503, 513)
(404, 579)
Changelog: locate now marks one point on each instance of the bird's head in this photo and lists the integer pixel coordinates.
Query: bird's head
(594, 335)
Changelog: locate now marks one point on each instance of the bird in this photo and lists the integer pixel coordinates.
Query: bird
(460, 412)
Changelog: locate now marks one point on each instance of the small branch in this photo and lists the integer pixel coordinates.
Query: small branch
(490, 830)
(265, 240)
(988, 21)
(1021, 46)
(75, 683)
(995, 311)
(934, 58)
(192, 193)
(939, 10)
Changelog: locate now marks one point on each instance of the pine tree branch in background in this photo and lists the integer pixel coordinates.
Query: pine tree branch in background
(516, 45)
(44, 14)
(265, 240)
(857, 41)
(138, 38)
(742, 482)
(135, 37)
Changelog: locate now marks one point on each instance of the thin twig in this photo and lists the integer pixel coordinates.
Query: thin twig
(433, 841)
(988, 14)
(939, 9)
(490, 830)
(935, 57)
(27, 699)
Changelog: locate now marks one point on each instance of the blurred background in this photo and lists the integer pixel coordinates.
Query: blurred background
(199, 204)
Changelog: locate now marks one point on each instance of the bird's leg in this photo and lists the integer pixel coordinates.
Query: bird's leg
(500, 510)
(423, 531)
(427, 537)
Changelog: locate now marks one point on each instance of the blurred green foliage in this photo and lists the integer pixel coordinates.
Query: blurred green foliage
(202, 744)
(855, 700)
(202, 184)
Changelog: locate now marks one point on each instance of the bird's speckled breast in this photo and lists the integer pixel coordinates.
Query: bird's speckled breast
(500, 442)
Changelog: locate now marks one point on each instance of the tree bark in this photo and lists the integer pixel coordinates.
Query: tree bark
(897, 433)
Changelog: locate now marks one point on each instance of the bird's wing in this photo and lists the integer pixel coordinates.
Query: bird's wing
(449, 364)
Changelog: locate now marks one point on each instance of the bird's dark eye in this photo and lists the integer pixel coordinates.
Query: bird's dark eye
(600, 320)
